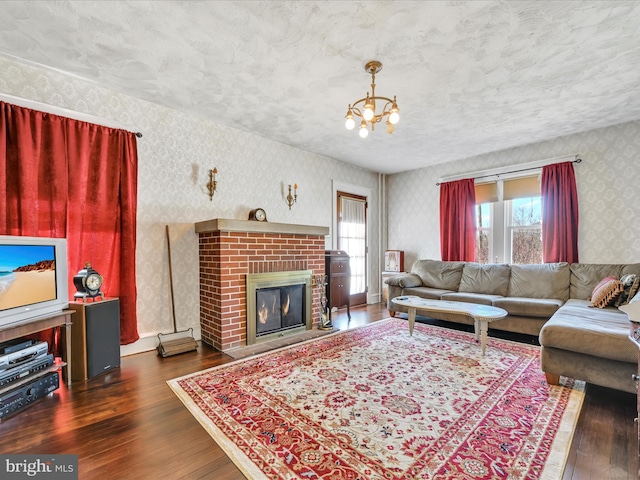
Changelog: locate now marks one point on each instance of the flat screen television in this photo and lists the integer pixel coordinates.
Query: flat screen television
(33, 278)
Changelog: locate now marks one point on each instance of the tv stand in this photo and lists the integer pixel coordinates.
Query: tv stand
(39, 324)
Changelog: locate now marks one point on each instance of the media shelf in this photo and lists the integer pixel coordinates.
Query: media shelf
(21, 392)
(39, 324)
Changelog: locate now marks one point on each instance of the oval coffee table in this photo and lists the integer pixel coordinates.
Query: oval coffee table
(482, 314)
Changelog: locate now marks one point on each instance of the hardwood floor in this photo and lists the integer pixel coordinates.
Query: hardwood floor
(127, 424)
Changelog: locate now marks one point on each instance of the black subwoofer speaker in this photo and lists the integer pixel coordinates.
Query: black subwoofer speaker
(95, 336)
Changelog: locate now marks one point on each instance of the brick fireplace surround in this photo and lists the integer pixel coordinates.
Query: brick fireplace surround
(229, 250)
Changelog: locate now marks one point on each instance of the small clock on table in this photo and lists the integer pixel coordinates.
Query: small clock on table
(88, 283)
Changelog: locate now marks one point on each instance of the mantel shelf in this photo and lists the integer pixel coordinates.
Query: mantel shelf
(251, 226)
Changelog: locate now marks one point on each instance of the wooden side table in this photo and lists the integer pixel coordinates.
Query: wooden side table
(385, 288)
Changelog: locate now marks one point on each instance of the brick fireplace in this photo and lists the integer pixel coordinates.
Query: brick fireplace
(229, 250)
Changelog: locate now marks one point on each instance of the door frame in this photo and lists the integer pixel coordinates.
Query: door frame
(338, 186)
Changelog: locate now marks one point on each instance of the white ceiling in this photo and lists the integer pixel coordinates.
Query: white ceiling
(471, 76)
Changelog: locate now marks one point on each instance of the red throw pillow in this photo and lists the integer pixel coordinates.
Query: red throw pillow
(600, 284)
(606, 292)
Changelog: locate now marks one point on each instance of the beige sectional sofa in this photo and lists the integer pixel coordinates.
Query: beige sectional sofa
(550, 300)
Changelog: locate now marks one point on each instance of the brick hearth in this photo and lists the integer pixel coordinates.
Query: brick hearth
(229, 250)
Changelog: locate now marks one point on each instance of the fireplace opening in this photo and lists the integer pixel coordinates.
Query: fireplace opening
(279, 308)
(278, 303)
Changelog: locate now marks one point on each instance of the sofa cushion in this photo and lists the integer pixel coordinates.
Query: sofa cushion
(547, 280)
(606, 292)
(492, 278)
(596, 332)
(425, 292)
(529, 307)
(479, 298)
(439, 274)
(585, 276)
(631, 268)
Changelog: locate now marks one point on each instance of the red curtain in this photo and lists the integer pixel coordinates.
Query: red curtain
(66, 178)
(559, 213)
(458, 220)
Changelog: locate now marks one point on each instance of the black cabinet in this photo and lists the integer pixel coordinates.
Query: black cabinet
(95, 338)
(338, 274)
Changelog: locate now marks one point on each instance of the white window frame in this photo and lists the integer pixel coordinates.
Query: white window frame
(490, 231)
(510, 229)
(500, 229)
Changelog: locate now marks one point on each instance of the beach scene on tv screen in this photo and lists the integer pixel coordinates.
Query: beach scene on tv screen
(27, 275)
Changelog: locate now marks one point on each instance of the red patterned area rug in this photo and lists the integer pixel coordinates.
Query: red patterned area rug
(375, 403)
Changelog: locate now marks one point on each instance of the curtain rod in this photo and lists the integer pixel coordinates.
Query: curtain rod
(55, 110)
(497, 172)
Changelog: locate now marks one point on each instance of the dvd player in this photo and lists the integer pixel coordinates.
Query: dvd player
(14, 346)
(28, 353)
(18, 373)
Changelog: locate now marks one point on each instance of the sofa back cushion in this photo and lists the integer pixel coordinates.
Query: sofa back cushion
(547, 280)
(585, 277)
(439, 274)
(491, 278)
(631, 269)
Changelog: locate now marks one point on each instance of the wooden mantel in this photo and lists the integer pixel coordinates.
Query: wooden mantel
(251, 226)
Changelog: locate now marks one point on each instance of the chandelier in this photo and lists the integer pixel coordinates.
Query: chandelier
(368, 112)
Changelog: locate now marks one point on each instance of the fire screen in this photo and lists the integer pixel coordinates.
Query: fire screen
(279, 308)
(278, 303)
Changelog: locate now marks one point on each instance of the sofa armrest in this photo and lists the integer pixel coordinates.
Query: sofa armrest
(405, 280)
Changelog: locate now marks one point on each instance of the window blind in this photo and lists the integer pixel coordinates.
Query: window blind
(521, 188)
(512, 188)
(486, 192)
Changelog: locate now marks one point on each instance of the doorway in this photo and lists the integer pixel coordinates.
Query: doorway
(352, 238)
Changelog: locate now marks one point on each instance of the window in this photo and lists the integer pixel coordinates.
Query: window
(509, 221)
(484, 235)
(524, 229)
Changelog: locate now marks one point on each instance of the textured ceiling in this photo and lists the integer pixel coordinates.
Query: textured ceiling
(471, 76)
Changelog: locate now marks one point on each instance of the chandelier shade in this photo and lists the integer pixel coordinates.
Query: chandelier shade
(368, 115)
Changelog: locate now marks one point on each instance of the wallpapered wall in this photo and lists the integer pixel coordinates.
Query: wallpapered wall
(178, 149)
(608, 181)
(175, 154)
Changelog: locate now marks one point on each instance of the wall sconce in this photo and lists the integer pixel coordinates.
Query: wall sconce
(291, 199)
(212, 183)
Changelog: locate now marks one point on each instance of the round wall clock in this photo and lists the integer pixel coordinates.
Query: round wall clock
(258, 214)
